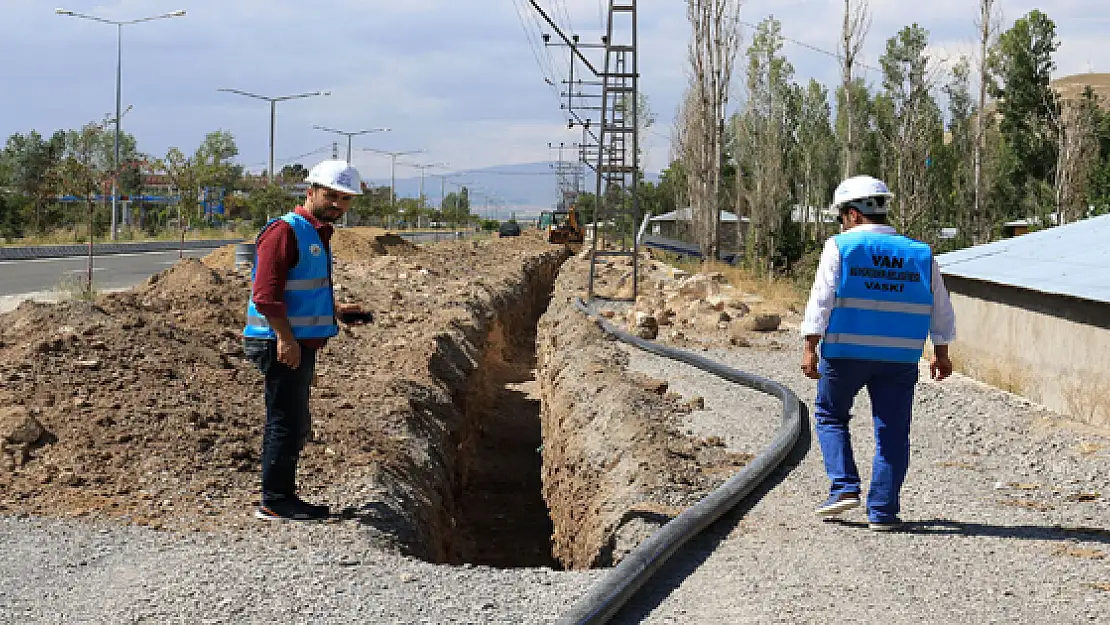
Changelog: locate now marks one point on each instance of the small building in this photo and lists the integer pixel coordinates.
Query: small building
(678, 226)
(1033, 316)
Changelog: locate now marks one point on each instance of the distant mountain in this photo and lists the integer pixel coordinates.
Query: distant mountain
(524, 189)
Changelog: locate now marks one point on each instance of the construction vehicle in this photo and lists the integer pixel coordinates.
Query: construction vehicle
(562, 226)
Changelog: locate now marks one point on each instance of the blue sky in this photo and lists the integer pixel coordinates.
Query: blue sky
(456, 78)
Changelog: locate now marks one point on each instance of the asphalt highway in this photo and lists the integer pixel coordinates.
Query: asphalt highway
(44, 278)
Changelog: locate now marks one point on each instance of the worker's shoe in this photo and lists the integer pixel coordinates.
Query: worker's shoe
(291, 509)
(318, 511)
(892, 525)
(836, 504)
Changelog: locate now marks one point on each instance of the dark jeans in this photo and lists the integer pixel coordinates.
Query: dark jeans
(287, 419)
(891, 387)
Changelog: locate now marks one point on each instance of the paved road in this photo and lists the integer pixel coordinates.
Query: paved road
(40, 279)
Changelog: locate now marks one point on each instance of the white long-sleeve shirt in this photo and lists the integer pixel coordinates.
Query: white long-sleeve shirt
(822, 298)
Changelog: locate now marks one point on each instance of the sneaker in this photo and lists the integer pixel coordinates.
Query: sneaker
(836, 504)
(318, 511)
(290, 510)
(886, 526)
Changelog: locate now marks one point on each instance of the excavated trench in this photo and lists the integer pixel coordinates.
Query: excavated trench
(501, 517)
(498, 514)
(555, 454)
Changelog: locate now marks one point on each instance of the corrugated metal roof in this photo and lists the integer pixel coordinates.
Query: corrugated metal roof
(1072, 260)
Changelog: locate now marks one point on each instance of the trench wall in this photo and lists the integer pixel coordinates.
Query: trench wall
(418, 502)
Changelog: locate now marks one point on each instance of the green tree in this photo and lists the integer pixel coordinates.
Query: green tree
(213, 161)
(764, 142)
(32, 165)
(185, 176)
(293, 173)
(268, 203)
(955, 162)
(1021, 68)
(818, 157)
(372, 207)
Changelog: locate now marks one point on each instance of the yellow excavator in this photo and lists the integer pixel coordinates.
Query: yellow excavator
(562, 226)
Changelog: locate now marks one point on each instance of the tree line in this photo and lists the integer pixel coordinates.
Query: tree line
(61, 184)
(966, 144)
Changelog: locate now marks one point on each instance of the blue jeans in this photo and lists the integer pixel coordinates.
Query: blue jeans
(288, 422)
(891, 387)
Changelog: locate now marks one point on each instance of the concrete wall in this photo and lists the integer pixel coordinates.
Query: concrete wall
(1051, 349)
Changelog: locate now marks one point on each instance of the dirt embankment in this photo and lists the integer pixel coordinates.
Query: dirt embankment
(616, 463)
(146, 411)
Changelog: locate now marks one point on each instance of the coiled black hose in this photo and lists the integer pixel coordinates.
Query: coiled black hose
(602, 601)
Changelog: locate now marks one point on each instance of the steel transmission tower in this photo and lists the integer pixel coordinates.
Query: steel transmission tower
(613, 153)
(618, 155)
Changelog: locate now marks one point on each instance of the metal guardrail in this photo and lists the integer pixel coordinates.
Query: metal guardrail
(34, 252)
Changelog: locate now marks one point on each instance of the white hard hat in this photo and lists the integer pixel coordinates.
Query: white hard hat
(337, 175)
(857, 190)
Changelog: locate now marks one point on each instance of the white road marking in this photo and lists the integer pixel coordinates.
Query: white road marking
(85, 258)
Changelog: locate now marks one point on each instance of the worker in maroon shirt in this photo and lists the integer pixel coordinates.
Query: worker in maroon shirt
(292, 313)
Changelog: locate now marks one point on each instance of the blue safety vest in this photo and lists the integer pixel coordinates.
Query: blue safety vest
(308, 298)
(884, 299)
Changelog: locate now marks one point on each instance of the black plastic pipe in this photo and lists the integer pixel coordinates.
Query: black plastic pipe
(602, 601)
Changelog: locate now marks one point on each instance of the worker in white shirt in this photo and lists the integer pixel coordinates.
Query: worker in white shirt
(876, 297)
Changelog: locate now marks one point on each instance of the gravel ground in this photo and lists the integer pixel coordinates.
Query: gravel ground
(1007, 506)
(71, 572)
(1004, 527)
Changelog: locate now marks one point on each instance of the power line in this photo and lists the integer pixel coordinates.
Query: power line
(810, 46)
(533, 45)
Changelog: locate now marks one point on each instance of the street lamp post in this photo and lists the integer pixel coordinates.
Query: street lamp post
(393, 173)
(119, 24)
(349, 135)
(273, 114)
(422, 168)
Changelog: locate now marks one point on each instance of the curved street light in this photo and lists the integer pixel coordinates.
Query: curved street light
(273, 114)
(351, 134)
(119, 24)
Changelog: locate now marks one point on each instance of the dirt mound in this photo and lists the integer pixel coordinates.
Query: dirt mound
(221, 258)
(617, 463)
(152, 416)
(361, 244)
(350, 245)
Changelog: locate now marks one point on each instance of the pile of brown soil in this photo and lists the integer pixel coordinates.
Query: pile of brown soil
(153, 416)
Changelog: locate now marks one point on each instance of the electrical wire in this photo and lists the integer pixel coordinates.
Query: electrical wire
(809, 46)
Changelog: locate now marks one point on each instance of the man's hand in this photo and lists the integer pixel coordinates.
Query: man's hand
(941, 366)
(289, 352)
(810, 359)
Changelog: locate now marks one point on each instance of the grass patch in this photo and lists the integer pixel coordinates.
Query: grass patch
(777, 293)
(69, 236)
(76, 289)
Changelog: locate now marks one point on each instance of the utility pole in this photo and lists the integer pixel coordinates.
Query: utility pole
(422, 168)
(393, 173)
(119, 76)
(618, 167)
(273, 115)
(349, 135)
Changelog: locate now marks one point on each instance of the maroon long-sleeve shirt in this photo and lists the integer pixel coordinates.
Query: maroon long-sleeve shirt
(277, 254)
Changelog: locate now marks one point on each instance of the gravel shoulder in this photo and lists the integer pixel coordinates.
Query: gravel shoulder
(1007, 504)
